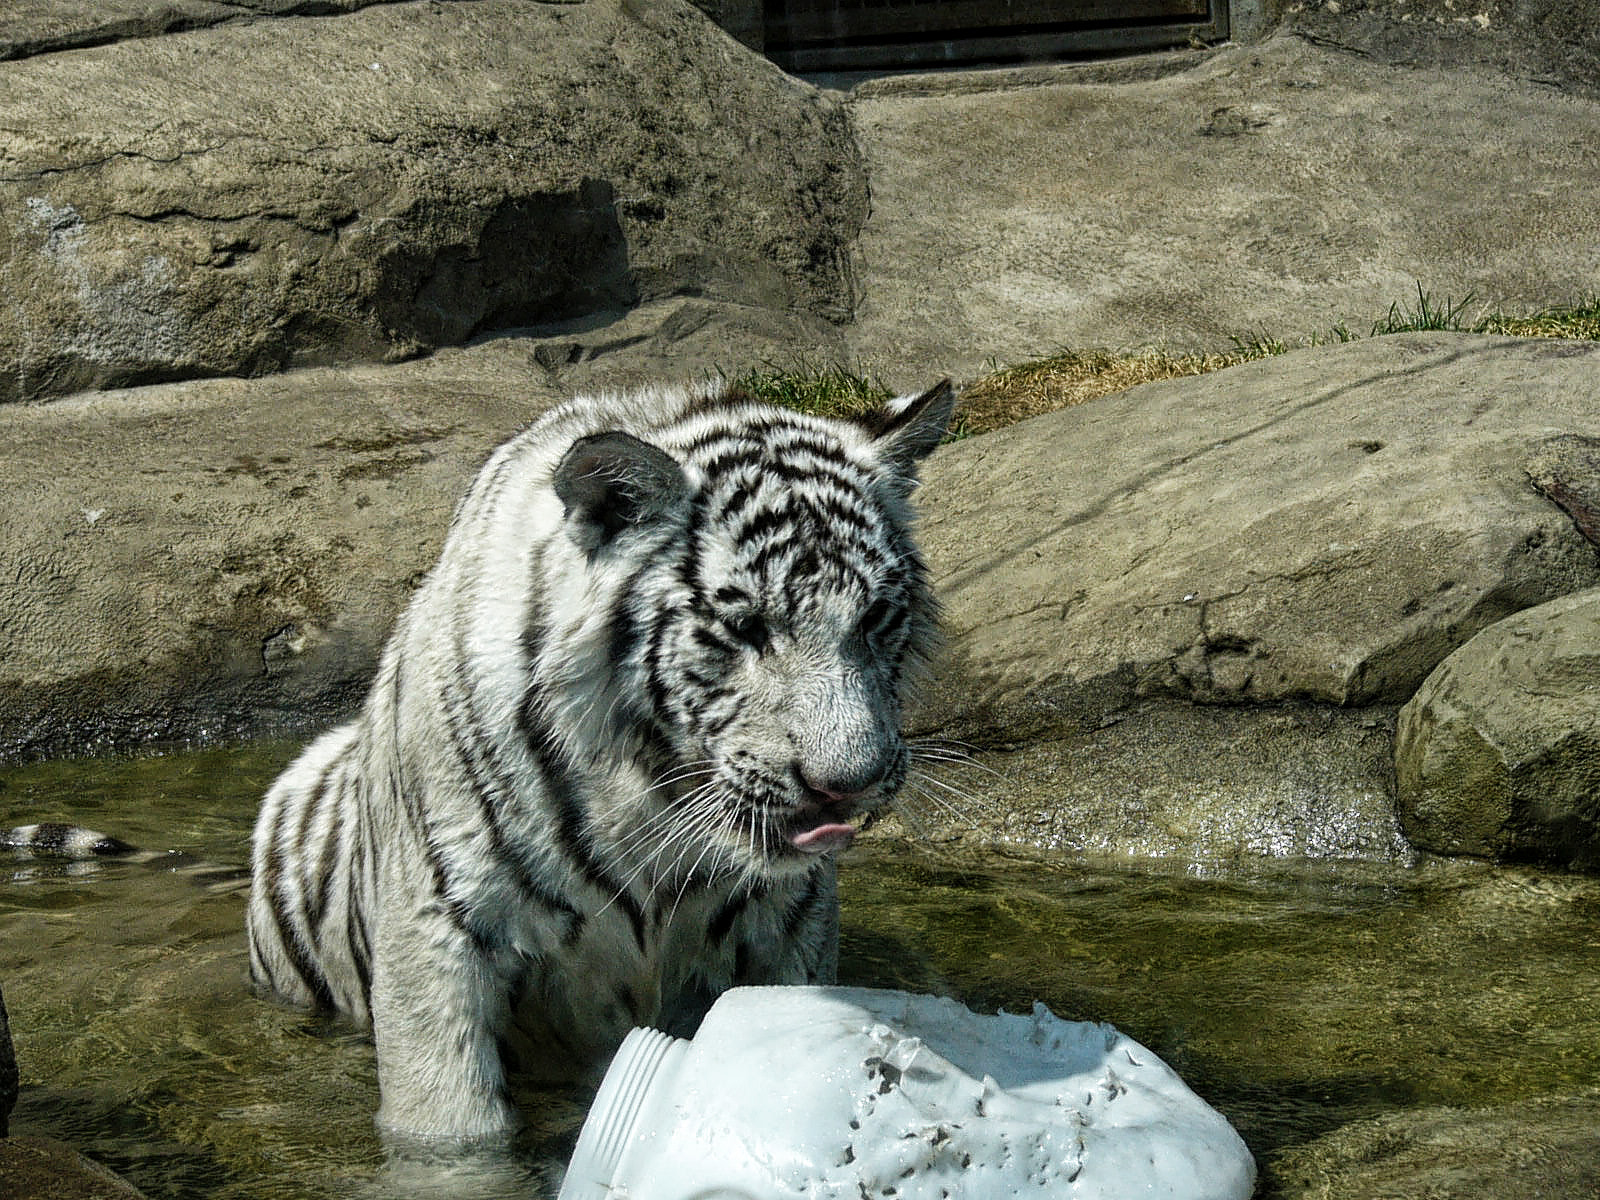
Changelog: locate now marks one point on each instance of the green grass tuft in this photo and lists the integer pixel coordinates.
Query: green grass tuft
(824, 391)
(1428, 315)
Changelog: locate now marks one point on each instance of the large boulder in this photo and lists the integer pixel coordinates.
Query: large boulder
(367, 186)
(1498, 754)
(1325, 526)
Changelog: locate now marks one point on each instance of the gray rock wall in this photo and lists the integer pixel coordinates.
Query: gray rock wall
(224, 557)
(1280, 189)
(1211, 622)
(1189, 612)
(207, 189)
(242, 561)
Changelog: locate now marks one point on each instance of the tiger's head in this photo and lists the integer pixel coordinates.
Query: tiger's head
(768, 608)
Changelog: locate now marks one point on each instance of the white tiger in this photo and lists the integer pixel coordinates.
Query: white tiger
(611, 747)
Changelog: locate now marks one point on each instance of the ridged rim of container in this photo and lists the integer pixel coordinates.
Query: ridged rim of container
(615, 1111)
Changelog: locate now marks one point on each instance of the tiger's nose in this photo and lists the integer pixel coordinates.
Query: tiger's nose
(839, 789)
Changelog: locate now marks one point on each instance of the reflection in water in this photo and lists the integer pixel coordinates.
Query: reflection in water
(1296, 998)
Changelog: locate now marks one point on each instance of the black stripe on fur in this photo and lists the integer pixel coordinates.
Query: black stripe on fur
(298, 954)
(572, 819)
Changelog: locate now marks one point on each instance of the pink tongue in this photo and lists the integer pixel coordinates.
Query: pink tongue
(823, 838)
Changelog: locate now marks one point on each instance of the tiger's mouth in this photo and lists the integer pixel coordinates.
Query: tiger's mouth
(820, 827)
(795, 830)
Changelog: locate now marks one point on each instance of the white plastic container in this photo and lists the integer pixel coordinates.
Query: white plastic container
(844, 1093)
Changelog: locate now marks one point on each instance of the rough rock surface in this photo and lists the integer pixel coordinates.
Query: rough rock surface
(1566, 471)
(38, 1168)
(306, 190)
(44, 26)
(1543, 42)
(1326, 526)
(1498, 754)
(1283, 188)
(246, 554)
(1294, 544)
(1218, 785)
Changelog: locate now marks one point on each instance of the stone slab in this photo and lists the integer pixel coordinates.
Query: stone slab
(1281, 188)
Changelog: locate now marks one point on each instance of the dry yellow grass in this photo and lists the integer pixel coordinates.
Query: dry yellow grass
(1032, 389)
(1581, 323)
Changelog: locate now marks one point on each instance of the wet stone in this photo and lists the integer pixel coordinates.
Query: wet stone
(1498, 754)
(44, 1169)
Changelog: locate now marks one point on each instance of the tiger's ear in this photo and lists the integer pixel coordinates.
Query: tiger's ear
(906, 430)
(612, 481)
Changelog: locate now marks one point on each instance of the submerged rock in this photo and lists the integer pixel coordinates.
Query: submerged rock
(1538, 1149)
(1498, 754)
(1211, 784)
(38, 1168)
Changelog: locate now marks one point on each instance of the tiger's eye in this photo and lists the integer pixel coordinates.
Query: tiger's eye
(750, 629)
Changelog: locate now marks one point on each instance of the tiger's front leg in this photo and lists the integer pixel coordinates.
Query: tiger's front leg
(438, 1005)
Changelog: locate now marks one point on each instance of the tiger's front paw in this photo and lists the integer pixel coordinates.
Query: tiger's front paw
(426, 1121)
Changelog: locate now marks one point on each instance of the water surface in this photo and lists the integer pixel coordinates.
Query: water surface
(1295, 997)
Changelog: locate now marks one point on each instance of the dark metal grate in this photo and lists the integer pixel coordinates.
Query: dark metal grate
(850, 34)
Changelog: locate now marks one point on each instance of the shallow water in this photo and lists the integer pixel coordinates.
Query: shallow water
(1294, 997)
